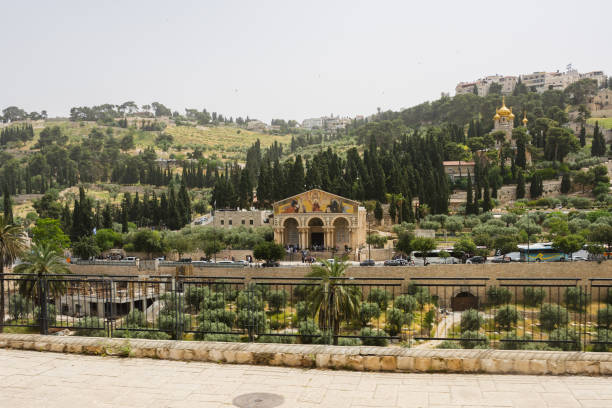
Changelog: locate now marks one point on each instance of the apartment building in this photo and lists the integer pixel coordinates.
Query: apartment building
(483, 85)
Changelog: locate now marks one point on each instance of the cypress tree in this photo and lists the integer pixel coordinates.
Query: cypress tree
(566, 183)
(521, 159)
(8, 206)
(486, 198)
(582, 136)
(378, 212)
(107, 217)
(392, 209)
(470, 196)
(520, 185)
(536, 188)
(598, 148)
(183, 197)
(406, 209)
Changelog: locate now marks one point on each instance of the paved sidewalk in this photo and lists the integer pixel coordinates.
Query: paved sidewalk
(34, 379)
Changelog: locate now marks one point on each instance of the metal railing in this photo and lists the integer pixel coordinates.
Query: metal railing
(505, 313)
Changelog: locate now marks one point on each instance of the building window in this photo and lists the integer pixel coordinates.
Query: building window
(243, 222)
(230, 222)
(251, 222)
(222, 222)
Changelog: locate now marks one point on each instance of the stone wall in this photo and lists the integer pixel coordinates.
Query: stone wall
(361, 358)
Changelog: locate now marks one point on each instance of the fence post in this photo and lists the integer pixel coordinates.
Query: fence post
(251, 312)
(1, 297)
(43, 315)
(107, 299)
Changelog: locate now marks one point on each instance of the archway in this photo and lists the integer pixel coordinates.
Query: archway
(463, 301)
(342, 239)
(292, 237)
(317, 236)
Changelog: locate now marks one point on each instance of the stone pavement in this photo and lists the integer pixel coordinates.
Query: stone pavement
(41, 379)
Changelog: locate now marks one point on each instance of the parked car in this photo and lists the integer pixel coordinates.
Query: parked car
(185, 260)
(501, 259)
(225, 262)
(391, 262)
(242, 262)
(130, 258)
(476, 260)
(199, 263)
(367, 262)
(271, 264)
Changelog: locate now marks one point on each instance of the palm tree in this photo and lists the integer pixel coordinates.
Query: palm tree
(42, 260)
(332, 300)
(12, 245)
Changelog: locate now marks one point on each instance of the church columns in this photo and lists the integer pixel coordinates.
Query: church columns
(303, 237)
(329, 236)
(279, 235)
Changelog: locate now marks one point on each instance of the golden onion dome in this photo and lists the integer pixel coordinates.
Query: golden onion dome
(511, 116)
(504, 111)
(496, 117)
(525, 119)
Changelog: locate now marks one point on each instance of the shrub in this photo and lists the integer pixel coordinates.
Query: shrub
(420, 293)
(18, 307)
(368, 311)
(141, 334)
(514, 345)
(471, 320)
(558, 339)
(276, 339)
(194, 295)
(448, 344)
(379, 296)
(396, 318)
(224, 316)
(506, 317)
(349, 341)
(472, 339)
(576, 298)
(212, 300)
(603, 340)
(252, 320)
(373, 337)
(533, 296)
(553, 316)
(604, 317)
(168, 322)
(250, 301)
(135, 319)
(51, 314)
(280, 320)
(407, 303)
(309, 332)
(302, 311)
(300, 292)
(498, 296)
(277, 300)
(91, 326)
(609, 297)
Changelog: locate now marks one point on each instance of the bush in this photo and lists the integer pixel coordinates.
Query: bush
(51, 314)
(224, 316)
(277, 300)
(249, 301)
(603, 339)
(373, 337)
(498, 296)
(368, 311)
(407, 303)
(252, 320)
(276, 339)
(604, 317)
(379, 296)
(194, 296)
(396, 318)
(349, 341)
(280, 320)
(420, 293)
(514, 345)
(91, 326)
(448, 344)
(576, 298)
(135, 319)
(506, 317)
(212, 300)
(471, 320)
(302, 311)
(141, 334)
(168, 322)
(472, 339)
(553, 316)
(309, 332)
(533, 296)
(18, 307)
(609, 297)
(300, 292)
(558, 339)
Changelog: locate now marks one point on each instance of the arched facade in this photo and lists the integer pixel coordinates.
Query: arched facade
(320, 220)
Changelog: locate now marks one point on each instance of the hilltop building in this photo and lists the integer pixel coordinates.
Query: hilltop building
(319, 220)
(240, 218)
(326, 122)
(482, 85)
(504, 120)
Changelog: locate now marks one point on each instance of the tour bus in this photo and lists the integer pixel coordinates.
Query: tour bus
(433, 256)
(541, 252)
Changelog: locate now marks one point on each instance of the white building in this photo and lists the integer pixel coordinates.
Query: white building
(483, 84)
(312, 123)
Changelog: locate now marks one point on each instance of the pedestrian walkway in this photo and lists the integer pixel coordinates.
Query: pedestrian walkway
(35, 379)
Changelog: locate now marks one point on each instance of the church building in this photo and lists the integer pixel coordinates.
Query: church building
(320, 220)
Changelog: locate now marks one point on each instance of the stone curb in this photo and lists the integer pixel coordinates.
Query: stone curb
(391, 359)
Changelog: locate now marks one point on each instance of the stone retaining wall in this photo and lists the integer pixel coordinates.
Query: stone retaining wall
(392, 359)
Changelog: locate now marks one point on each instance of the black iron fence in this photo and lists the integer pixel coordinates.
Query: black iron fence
(506, 313)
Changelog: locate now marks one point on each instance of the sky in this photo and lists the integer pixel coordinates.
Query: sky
(284, 59)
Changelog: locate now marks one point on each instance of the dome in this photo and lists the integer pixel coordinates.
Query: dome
(496, 117)
(525, 120)
(504, 111)
(511, 116)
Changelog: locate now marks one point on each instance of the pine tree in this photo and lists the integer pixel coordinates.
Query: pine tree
(536, 188)
(378, 212)
(520, 185)
(392, 209)
(521, 159)
(598, 148)
(183, 198)
(566, 183)
(486, 198)
(582, 135)
(107, 217)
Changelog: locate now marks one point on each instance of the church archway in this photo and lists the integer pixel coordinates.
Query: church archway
(316, 234)
(463, 301)
(292, 237)
(342, 239)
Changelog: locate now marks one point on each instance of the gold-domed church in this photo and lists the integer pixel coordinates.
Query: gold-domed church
(504, 120)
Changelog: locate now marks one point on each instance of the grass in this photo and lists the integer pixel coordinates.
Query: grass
(603, 122)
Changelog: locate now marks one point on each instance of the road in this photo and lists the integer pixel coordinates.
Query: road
(33, 379)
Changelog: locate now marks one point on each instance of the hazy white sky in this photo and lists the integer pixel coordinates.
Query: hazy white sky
(284, 59)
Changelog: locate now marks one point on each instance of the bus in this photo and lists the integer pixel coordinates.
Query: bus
(541, 252)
